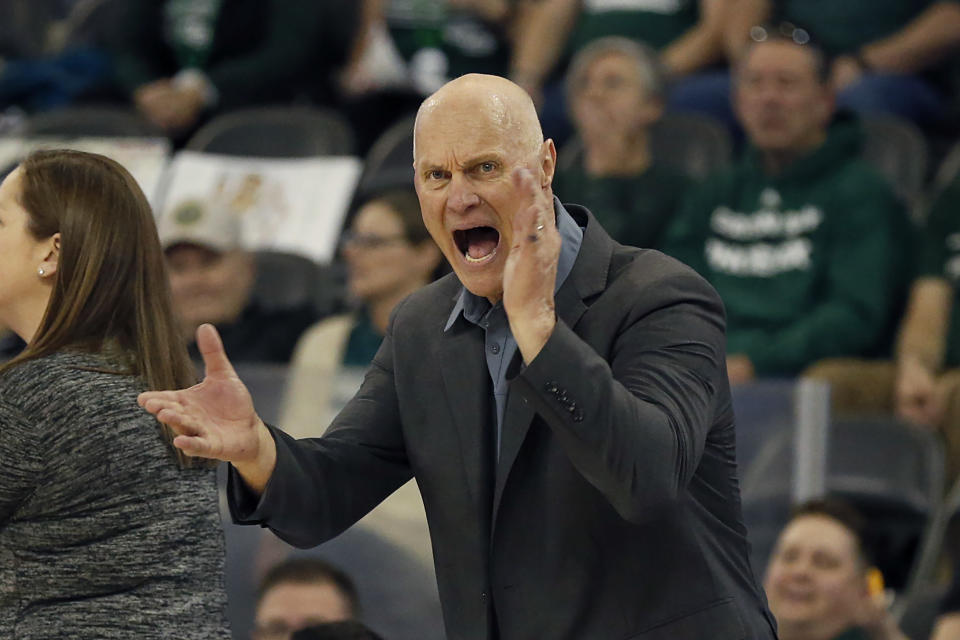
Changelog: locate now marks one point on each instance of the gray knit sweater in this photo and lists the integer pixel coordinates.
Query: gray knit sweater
(102, 535)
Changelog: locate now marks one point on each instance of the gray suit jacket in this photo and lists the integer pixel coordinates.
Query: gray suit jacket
(613, 512)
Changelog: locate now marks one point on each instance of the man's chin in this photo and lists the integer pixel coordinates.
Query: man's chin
(488, 286)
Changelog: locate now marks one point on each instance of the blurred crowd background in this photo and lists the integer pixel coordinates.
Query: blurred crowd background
(801, 155)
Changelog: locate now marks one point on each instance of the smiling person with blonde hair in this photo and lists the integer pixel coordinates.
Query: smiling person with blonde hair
(105, 530)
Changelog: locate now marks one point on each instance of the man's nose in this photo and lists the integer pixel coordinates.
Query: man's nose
(769, 93)
(799, 569)
(461, 194)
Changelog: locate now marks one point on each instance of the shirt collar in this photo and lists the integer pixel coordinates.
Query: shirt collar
(473, 307)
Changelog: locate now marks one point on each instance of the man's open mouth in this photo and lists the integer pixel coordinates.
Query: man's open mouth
(478, 244)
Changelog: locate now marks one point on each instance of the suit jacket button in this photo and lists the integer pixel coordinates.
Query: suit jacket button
(552, 387)
(483, 597)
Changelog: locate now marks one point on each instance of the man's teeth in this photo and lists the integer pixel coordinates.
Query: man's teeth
(481, 259)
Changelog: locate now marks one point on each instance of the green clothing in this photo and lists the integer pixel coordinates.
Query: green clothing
(253, 51)
(655, 22)
(467, 43)
(634, 210)
(847, 25)
(941, 258)
(805, 261)
(362, 344)
(190, 25)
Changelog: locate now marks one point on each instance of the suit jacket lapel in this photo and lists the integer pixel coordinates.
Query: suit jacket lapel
(588, 278)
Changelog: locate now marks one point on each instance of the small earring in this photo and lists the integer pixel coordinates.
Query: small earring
(41, 272)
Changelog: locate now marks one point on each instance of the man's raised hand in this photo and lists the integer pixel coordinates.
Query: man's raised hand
(216, 418)
(530, 274)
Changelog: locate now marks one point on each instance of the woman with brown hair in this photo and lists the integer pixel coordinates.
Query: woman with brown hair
(106, 530)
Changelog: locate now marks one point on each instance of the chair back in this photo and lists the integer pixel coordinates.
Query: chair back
(90, 121)
(692, 144)
(898, 150)
(389, 163)
(275, 132)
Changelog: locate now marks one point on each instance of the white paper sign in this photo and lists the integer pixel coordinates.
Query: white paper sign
(144, 158)
(292, 205)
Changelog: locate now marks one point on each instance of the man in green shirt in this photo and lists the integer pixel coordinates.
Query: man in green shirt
(798, 238)
(615, 88)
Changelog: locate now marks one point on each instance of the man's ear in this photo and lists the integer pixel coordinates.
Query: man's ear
(51, 260)
(548, 163)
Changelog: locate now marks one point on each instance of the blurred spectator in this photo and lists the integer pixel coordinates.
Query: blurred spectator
(408, 48)
(25, 26)
(47, 59)
(389, 255)
(429, 42)
(687, 33)
(181, 59)
(212, 279)
(299, 593)
(820, 583)
(895, 56)
(799, 237)
(615, 90)
(349, 630)
(923, 386)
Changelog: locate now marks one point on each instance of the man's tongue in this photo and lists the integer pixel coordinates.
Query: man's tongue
(481, 242)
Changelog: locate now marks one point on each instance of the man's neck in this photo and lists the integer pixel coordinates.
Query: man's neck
(808, 631)
(628, 157)
(776, 161)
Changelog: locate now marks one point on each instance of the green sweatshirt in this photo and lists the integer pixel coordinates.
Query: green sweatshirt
(806, 261)
(656, 22)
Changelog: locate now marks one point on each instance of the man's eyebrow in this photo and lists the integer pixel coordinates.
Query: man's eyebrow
(491, 156)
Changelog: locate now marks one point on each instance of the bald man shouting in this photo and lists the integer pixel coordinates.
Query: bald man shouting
(561, 399)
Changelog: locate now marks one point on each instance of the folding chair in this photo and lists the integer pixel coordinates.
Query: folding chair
(898, 150)
(389, 163)
(275, 132)
(692, 144)
(90, 121)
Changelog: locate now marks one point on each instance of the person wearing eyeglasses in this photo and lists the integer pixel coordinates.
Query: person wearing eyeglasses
(388, 254)
(803, 240)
